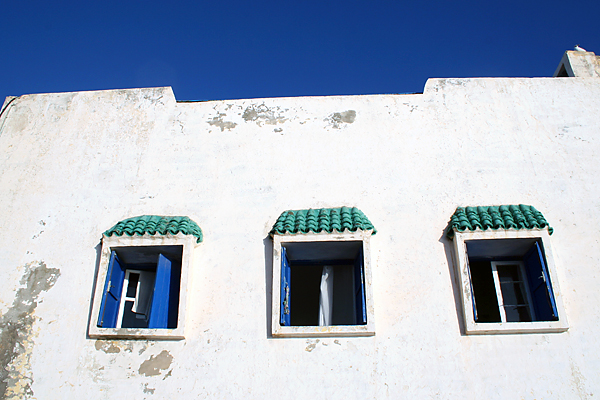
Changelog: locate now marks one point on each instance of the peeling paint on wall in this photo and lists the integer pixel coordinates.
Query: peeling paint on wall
(218, 122)
(311, 345)
(148, 390)
(16, 337)
(107, 346)
(154, 365)
(261, 113)
(339, 118)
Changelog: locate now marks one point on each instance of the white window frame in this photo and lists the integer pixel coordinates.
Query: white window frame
(322, 331)
(124, 296)
(188, 243)
(523, 283)
(464, 278)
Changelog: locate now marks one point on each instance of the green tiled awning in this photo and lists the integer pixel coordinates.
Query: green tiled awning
(156, 225)
(322, 220)
(496, 217)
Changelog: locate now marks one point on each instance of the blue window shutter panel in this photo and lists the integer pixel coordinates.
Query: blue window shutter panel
(539, 285)
(159, 313)
(547, 280)
(174, 296)
(286, 275)
(359, 289)
(111, 297)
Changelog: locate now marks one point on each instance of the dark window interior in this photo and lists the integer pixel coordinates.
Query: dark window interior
(486, 302)
(562, 73)
(145, 257)
(482, 252)
(129, 318)
(306, 264)
(305, 293)
(304, 287)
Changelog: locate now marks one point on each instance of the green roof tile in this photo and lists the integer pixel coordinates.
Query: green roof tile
(156, 225)
(496, 217)
(322, 219)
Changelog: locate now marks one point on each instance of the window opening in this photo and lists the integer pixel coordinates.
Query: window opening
(510, 281)
(142, 288)
(562, 73)
(322, 284)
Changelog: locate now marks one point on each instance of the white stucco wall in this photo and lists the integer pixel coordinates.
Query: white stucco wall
(74, 164)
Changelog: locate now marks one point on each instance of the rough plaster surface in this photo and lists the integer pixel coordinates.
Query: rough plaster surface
(80, 162)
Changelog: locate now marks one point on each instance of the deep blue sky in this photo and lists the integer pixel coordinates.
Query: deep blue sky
(208, 50)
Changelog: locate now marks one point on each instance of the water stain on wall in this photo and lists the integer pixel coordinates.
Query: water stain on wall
(16, 326)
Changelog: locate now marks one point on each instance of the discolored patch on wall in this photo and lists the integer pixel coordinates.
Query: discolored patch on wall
(153, 365)
(16, 331)
(219, 123)
(260, 114)
(578, 382)
(336, 120)
(107, 346)
(311, 345)
(148, 390)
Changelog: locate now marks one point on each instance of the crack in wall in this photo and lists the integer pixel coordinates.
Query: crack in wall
(16, 331)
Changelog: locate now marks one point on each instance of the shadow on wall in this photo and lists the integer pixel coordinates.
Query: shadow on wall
(454, 274)
(268, 243)
(98, 249)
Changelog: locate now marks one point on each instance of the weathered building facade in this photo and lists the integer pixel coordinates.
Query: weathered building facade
(75, 165)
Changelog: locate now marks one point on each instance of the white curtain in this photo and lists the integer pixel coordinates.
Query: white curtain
(326, 298)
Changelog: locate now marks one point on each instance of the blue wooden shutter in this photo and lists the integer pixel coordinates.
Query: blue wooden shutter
(359, 289)
(159, 312)
(174, 296)
(286, 275)
(111, 297)
(539, 285)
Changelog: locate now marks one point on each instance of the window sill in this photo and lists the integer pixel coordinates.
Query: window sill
(490, 328)
(133, 334)
(324, 331)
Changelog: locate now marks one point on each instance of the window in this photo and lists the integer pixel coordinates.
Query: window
(141, 288)
(321, 280)
(325, 281)
(507, 276)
